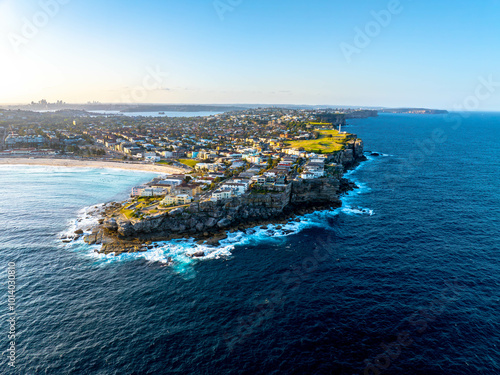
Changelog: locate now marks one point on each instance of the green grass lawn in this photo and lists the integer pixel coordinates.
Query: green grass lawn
(328, 142)
(189, 162)
(141, 204)
(320, 123)
(127, 213)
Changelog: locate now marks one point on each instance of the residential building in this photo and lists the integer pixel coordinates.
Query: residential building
(189, 189)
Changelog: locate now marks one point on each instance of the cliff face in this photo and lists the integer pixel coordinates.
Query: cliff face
(362, 114)
(351, 155)
(319, 191)
(210, 220)
(337, 119)
(210, 217)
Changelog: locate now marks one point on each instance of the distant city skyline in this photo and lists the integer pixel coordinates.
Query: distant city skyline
(366, 54)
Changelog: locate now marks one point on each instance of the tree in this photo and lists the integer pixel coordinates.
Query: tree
(269, 162)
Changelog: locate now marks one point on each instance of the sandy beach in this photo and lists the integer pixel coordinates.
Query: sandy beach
(90, 164)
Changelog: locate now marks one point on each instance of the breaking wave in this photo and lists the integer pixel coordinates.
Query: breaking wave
(179, 253)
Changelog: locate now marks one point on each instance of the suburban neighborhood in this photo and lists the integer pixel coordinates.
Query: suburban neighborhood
(216, 157)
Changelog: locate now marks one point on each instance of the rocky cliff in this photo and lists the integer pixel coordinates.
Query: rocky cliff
(352, 155)
(209, 221)
(362, 114)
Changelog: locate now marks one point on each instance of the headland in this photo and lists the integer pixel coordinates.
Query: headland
(135, 225)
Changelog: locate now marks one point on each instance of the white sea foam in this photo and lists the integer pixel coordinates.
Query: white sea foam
(46, 169)
(357, 211)
(177, 253)
(86, 219)
(53, 169)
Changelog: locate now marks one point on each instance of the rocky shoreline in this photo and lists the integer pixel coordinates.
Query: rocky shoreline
(210, 222)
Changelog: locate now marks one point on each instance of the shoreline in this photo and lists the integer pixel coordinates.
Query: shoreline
(95, 164)
(209, 222)
(109, 233)
(116, 236)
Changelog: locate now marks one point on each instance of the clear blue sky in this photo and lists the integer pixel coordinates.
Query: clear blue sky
(430, 54)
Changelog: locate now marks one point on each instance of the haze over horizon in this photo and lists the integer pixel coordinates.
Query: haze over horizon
(370, 54)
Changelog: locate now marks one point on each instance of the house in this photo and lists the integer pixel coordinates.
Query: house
(205, 180)
(261, 180)
(221, 194)
(171, 181)
(153, 192)
(255, 159)
(189, 189)
(13, 139)
(216, 175)
(237, 164)
(246, 175)
(307, 176)
(211, 167)
(276, 172)
(184, 199)
(176, 199)
(280, 180)
(152, 159)
(132, 150)
(169, 199)
(317, 169)
(237, 188)
(122, 146)
(159, 185)
(270, 181)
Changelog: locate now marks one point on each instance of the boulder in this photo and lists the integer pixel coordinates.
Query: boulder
(211, 222)
(177, 211)
(111, 225)
(125, 228)
(223, 223)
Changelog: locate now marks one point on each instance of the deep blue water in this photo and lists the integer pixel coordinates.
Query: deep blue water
(423, 269)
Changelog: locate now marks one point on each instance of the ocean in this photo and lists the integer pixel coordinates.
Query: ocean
(404, 278)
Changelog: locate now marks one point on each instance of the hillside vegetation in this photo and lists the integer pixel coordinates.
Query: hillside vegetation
(329, 141)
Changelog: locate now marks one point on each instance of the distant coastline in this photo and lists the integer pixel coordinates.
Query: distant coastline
(416, 111)
(196, 109)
